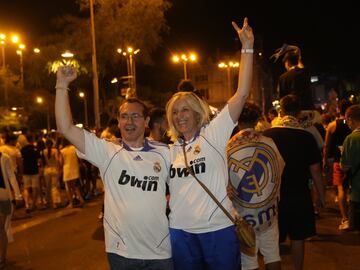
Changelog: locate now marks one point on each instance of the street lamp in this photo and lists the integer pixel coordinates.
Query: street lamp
(20, 53)
(184, 58)
(130, 53)
(94, 66)
(2, 42)
(83, 96)
(229, 66)
(40, 101)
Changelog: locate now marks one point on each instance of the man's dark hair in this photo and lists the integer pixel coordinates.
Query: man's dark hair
(156, 116)
(136, 100)
(290, 105)
(113, 122)
(250, 114)
(292, 57)
(10, 137)
(185, 86)
(353, 112)
(343, 105)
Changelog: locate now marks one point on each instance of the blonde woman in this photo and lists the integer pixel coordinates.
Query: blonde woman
(202, 236)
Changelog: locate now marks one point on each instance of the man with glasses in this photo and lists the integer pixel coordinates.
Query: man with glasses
(134, 172)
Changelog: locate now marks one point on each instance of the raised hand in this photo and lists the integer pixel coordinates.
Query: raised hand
(65, 75)
(245, 33)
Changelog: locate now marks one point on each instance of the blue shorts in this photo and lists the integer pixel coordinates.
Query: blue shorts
(216, 250)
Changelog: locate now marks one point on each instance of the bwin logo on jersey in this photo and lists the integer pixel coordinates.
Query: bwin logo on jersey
(149, 183)
(197, 166)
(254, 173)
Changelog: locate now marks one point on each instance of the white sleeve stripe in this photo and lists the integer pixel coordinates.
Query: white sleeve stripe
(214, 148)
(105, 171)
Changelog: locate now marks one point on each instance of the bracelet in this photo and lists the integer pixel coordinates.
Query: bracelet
(62, 88)
(247, 50)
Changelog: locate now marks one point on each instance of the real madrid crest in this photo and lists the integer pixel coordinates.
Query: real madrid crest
(197, 149)
(157, 167)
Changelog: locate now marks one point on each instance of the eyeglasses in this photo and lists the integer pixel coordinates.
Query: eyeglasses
(134, 116)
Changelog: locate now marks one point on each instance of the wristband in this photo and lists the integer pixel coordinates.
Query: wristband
(247, 50)
(62, 88)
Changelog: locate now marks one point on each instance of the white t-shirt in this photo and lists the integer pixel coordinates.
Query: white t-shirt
(192, 209)
(135, 219)
(14, 154)
(71, 169)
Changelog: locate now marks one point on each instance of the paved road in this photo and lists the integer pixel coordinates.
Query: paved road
(73, 239)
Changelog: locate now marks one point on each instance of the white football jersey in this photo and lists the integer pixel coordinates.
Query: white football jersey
(192, 209)
(135, 221)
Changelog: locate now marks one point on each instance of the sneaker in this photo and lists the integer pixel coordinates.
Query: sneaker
(344, 225)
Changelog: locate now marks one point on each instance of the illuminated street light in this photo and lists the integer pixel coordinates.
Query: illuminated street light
(36, 50)
(184, 58)
(40, 101)
(83, 96)
(130, 61)
(67, 54)
(229, 66)
(15, 39)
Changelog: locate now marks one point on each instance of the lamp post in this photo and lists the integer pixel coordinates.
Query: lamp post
(184, 58)
(229, 67)
(40, 101)
(130, 63)
(83, 96)
(2, 42)
(94, 67)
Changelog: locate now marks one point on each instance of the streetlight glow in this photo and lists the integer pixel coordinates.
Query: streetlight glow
(184, 58)
(22, 46)
(39, 100)
(2, 36)
(14, 39)
(175, 58)
(81, 94)
(36, 50)
(67, 54)
(130, 62)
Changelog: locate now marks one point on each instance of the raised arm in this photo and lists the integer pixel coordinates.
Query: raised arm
(236, 102)
(64, 120)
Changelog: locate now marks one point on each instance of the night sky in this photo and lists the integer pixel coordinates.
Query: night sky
(327, 33)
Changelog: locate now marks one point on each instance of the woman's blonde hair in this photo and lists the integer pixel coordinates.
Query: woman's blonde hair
(199, 106)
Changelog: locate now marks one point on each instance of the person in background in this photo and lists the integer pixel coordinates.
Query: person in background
(158, 125)
(302, 161)
(296, 79)
(71, 174)
(336, 133)
(350, 163)
(134, 171)
(52, 169)
(111, 129)
(15, 155)
(31, 163)
(255, 168)
(8, 186)
(202, 236)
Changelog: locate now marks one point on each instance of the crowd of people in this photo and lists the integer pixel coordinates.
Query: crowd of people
(269, 169)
